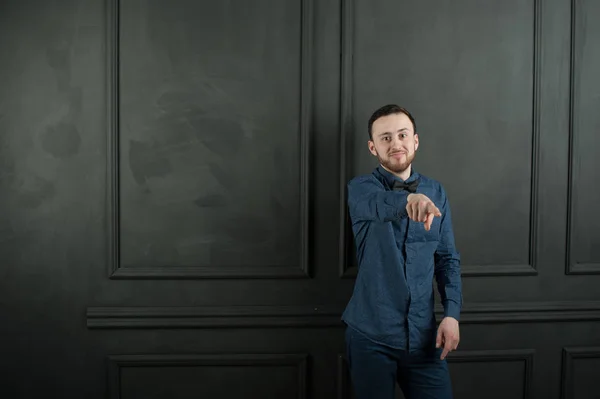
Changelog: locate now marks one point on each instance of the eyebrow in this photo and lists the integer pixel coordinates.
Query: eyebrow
(403, 129)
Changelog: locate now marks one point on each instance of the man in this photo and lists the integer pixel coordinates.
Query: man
(404, 237)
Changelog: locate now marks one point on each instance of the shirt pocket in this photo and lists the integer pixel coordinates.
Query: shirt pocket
(417, 232)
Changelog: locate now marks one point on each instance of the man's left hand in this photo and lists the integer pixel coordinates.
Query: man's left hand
(448, 336)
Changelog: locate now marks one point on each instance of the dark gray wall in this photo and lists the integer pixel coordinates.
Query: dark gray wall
(172, 189)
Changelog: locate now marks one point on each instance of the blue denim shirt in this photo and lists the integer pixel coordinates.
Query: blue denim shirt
(393, 298)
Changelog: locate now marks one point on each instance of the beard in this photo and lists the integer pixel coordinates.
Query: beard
(395, 165)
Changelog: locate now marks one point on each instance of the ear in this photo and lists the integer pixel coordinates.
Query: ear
(416, 141)
(371, 145)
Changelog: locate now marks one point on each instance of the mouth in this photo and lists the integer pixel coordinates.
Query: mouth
(397, 155)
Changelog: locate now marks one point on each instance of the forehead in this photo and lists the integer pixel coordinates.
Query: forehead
(392, 123)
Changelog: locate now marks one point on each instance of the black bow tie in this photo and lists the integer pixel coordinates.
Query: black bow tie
(410, 187)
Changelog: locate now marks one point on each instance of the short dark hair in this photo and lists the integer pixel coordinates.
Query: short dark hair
(389, 110)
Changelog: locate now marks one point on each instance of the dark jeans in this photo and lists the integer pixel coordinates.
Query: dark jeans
(375, 369)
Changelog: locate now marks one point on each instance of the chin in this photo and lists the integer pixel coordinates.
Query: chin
(400, 169)
(396, 167)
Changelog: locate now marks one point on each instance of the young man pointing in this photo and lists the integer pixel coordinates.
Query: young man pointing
(404, 238)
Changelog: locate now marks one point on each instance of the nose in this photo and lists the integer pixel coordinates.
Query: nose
(397, 144)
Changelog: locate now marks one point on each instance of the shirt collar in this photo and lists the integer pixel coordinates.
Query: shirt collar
(389, 178)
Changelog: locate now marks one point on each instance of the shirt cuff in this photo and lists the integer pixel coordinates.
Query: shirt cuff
(401, 201)
(452, 309)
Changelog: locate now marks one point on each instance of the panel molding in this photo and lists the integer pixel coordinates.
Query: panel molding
(346, 269)
(569, 356)
(527, 312)
(115, 271)
(117, 362)
(346, 123)
(344, 380)
(489, 356)
(483, 356)
(211, 317)
(572, 266)
(123, 317)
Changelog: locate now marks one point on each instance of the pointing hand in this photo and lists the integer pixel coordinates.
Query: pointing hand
(421, 209)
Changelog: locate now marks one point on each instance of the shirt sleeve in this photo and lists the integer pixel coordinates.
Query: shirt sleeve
(447, 265)
(368, 200)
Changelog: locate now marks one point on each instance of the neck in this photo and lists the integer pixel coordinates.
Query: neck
(405, 174)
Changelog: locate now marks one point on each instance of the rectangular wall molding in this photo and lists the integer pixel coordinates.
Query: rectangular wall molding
(346, 268)
(117, 363)
(115, 270)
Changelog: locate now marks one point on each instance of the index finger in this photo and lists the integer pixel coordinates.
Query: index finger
(429, 221)
(444, 352)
